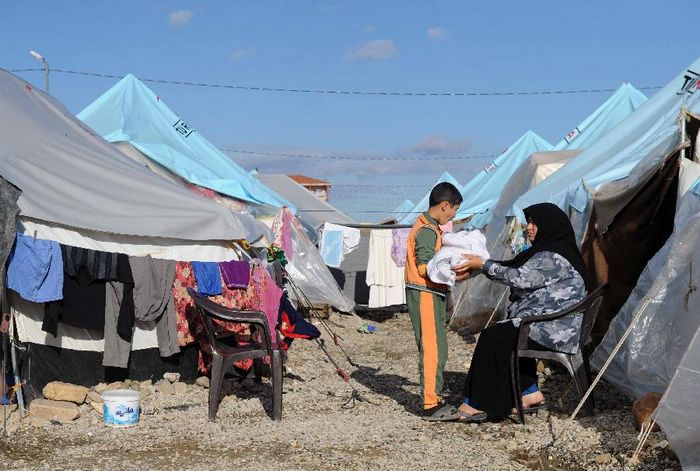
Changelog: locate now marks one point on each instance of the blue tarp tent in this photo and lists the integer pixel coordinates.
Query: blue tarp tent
(645, 134)
(617, 107)
(483, 190)
(422, 205)
(131, 112)
(401, 211)
(620, 105)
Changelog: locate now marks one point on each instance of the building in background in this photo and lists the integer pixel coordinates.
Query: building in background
(320, 188)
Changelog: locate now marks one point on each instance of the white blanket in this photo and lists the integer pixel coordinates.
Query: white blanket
(454, 246)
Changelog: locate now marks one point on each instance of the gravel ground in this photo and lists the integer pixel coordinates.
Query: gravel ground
(322, 430)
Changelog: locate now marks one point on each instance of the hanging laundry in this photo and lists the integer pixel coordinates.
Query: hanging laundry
(351, 236)
(332, 248)
(9, 194)
(153, 301)
(236, 274)
(189, 327)
(282, 230)
(385, 279)
(292, 325)
(208, 278)
(398, 246)
(454, 246)
(35, 269)
(86, 273)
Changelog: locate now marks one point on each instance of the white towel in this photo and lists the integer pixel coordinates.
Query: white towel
(454, 245)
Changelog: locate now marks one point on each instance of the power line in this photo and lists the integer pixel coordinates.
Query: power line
(357, 157)
(342, 92)
(379, 185)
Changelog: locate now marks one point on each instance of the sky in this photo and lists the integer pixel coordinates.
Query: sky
(387, 46)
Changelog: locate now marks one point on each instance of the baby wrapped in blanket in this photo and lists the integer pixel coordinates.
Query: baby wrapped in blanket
(454, 246)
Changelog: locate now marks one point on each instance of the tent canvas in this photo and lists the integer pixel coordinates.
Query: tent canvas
(398, 213)
(131, 112)
(79, 190)
(609, 114)
(306, 267)
(482, 192)
(662, 351)
(311, 210)
(617, 107)
(423, 204)
(649, 130)
(72, 177)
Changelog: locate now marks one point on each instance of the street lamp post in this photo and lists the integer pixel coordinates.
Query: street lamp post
(39, 57)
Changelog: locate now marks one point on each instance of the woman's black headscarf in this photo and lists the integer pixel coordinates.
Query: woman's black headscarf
(554, 234)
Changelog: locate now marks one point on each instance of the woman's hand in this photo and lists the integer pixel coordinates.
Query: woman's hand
(473, 262)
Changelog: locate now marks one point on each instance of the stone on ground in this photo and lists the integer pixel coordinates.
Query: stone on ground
(59, 391)
(45, 409)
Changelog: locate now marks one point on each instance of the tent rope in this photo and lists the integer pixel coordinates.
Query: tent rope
(617, 348)
(644, 433)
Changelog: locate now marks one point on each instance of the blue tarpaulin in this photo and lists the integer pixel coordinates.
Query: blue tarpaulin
(617, 107)
(423, 204)
(131, 112)
(482, 192)
(646, 137)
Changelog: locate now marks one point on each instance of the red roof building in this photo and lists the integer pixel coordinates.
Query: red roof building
(320, 188)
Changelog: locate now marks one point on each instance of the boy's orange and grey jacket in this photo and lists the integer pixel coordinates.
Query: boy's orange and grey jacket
(427, 307)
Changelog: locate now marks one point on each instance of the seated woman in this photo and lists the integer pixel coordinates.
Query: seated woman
(543, 279)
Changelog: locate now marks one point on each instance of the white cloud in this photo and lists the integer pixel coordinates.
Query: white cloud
(437, 144)
(241, 53)
(179, 18)
(436, 33)
(379, 49)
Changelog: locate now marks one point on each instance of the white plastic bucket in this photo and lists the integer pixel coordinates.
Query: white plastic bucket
(122, 407)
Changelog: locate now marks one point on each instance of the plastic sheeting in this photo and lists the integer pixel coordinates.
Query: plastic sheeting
(651, 353)
(131, 112)
(678, 413)
(306, 267)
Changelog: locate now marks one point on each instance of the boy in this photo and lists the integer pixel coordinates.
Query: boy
(427, 300)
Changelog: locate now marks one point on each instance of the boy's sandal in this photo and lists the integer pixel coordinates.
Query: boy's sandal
(443, 414)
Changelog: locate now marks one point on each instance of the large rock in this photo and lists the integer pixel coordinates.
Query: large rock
(643, 407)
(202, 381)
(165, 387)
(115, 385)
(95, 397)
(100, 408)
(172, 377)
(45, 409)
(58, 391)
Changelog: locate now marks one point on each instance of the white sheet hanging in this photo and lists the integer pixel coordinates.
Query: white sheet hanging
(384, 278)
